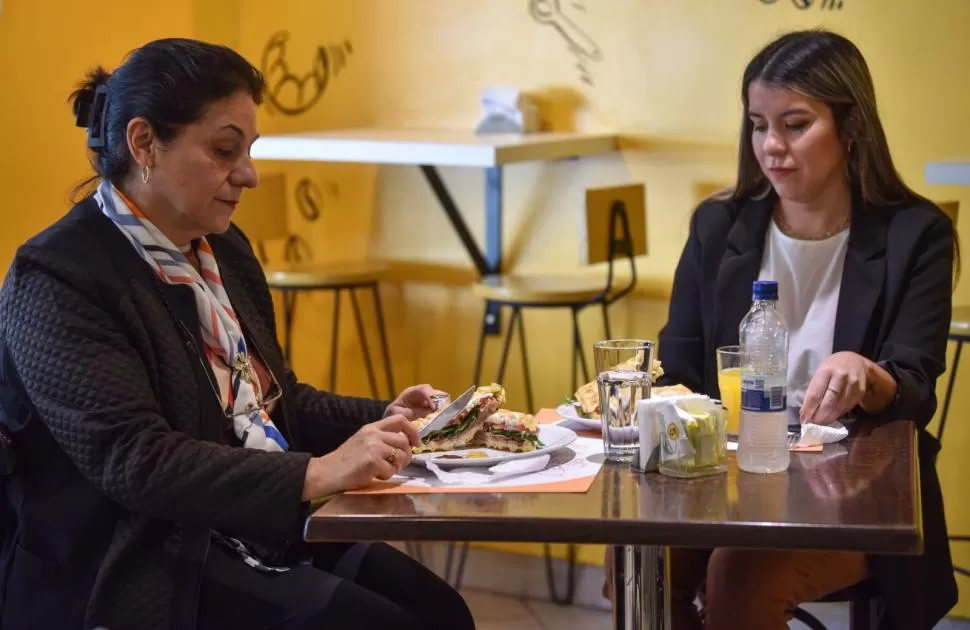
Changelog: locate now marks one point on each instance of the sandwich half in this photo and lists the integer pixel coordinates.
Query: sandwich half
(459, 432)
(509, 431)
(587, 398)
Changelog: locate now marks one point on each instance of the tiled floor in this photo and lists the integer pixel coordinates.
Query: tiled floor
(500, 612)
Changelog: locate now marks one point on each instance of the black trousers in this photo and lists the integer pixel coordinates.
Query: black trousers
(349, 587)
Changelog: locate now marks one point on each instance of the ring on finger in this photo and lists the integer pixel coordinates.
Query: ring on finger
(834, 391)
(393, 456)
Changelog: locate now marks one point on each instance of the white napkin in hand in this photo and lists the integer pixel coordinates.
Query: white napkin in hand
(815, 434)
(480, 476)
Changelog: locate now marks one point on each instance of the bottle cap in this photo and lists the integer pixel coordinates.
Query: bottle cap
(764, 290)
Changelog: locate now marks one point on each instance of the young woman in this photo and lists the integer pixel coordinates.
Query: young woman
(865, 271)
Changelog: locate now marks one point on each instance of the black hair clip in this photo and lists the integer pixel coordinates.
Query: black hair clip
(90, 114)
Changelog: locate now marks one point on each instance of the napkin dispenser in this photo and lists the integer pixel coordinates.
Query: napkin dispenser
(507, 110)
(649, 419)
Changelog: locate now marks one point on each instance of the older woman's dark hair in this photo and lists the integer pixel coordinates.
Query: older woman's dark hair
(169, 83)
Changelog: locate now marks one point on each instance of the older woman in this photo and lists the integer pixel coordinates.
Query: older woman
(165, 454)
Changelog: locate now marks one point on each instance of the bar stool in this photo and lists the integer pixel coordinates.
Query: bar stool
(864, 603)
(262, 216)
(615, 227)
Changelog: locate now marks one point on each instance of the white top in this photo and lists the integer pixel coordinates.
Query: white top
(809, 276)
(437, 147)
(955, 171)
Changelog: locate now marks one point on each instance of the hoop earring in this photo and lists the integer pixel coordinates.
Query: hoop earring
(146, 174)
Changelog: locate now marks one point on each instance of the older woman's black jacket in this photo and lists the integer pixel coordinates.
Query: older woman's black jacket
(894, 308)
(119, 478)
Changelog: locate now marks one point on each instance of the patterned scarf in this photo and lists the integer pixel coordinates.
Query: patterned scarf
(221, 331)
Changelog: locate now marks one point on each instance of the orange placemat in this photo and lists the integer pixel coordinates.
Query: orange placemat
(579, 472)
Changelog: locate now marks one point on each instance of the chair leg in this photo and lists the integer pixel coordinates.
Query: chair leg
(359, 321)
(606, 319)
(578, 350)
(460, 570)
(415, 550)
(480, 354)
(525, 367)
(334, 340)
(382, 332)
(454, 573)
(567, 599)
(949, 391)
(862, 614)
(516, 313)
(807, 618)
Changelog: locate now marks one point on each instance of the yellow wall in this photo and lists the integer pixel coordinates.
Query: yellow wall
(45, 49)
(668, 78)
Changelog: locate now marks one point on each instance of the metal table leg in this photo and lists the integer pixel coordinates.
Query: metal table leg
(641, 598)
(488, 260)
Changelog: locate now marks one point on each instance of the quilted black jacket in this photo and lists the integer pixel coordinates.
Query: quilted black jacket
(119, 478)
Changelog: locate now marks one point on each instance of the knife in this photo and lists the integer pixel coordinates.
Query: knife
(448, 413)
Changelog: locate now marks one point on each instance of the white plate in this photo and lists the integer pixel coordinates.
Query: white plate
(569, 412)
(553, 438)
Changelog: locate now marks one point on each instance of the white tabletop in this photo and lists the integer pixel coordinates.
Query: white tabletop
(953, 171)
(436, 147)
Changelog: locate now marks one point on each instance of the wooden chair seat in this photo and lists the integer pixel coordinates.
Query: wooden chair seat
(960, 322)
(309, 276)
(540, 289)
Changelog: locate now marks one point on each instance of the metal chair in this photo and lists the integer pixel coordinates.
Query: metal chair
(615, 227)
(262, 217)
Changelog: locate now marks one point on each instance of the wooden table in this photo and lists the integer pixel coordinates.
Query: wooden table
(431, 148)
(859, 495)
(953, 171)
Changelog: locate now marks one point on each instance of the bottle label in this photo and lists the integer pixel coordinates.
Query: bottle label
(763, 393)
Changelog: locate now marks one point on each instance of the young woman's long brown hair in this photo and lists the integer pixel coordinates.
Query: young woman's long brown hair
(828, 67)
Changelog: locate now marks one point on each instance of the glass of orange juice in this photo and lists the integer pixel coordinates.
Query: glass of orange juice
(729, 382)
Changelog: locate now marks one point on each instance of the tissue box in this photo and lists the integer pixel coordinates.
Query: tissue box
(507, 110)
(650, 421)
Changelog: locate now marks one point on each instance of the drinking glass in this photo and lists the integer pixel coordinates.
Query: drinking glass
(623, 374)
(729, 382)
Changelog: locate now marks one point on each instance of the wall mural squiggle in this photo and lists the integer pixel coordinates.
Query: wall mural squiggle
(580, 43)
(291, 93)
(824, 5)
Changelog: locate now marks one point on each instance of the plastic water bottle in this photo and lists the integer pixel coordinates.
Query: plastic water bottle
(763, 439)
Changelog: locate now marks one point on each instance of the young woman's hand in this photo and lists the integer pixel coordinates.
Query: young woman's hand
(842, 382)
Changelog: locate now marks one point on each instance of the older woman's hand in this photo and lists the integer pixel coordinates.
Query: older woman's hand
(377, 451)
(413, 403)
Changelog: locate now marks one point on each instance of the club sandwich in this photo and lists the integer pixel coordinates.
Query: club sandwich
(460, 431)
(510, 431)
